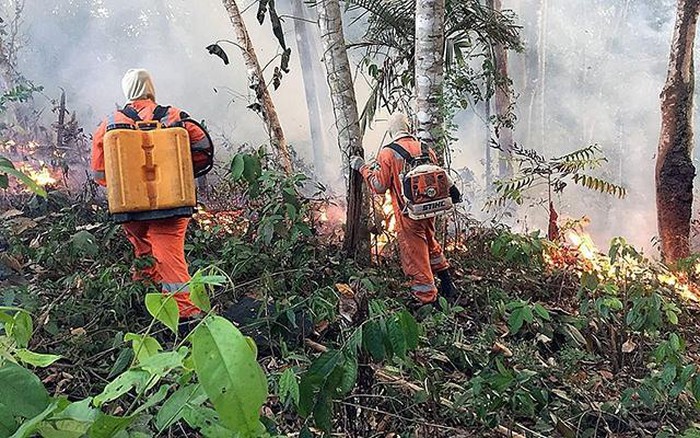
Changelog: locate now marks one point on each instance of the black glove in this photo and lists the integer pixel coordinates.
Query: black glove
(455, 195)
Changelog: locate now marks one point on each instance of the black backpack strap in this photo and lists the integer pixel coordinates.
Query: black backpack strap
(131, 113)
(401, 151)
(160, 113)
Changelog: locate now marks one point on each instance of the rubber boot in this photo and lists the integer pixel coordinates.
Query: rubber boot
(447, 287)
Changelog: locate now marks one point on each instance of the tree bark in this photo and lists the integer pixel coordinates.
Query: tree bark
(674, 166)
(335, 57)
(430, 49)
(503, 103)
(267, 107)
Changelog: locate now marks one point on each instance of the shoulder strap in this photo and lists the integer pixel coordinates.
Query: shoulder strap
(160, 112)
(131, 113)
(401, 151)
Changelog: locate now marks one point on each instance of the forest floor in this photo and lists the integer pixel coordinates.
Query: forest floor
(545, 339)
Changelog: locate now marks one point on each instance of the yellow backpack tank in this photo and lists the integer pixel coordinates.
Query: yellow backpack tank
(149, 172)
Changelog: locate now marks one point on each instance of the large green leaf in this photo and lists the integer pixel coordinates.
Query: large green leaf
(373, 340)
(162, 363)
(21, 328)
(289, 387)
(227, 369)
(108, 426)
(7, 422)
(22, 392)
(175, 406)
(411, 329)
(396, 335)
(143, 346)
(73, 422)
(207, 421)
(237, 167)
(6, 167)
(121, 385)
(30, 426)
(35, 359)
(164, 309)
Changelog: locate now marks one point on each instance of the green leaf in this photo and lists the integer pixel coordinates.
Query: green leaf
(162, 363)
(198, 292)
(8, 168)
(72, 422)
(237, 167)
(7, 422)
(396, 336)
(164, 309)
(143, 346)
(350, 368)
(108, 426)
(21, 328)
(289, 387)
(410, 328)
(30, 426)
(126, 355)
(542, 312)
(175, 406)
(323, 412)
(672, 317)
(515, 321)
(121, 385)
(22, 391)
(207, 421)
(252, 169)
(35, 359)
(231, 377)
(373, 340)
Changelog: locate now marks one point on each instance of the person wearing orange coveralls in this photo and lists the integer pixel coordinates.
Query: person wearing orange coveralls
(421, 254)
(163, 239)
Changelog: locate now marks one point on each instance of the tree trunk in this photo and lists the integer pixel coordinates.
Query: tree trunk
(503, 103)
(267, 107)
(674, 166)
(309, 56)
(430, 48)
(335, 57)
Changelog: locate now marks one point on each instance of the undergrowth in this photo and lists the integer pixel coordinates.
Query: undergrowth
(543, 340)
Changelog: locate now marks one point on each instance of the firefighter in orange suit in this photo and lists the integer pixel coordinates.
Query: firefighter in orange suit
(163, 239)
(421, 254)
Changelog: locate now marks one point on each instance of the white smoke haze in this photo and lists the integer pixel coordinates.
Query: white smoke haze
(600, 63)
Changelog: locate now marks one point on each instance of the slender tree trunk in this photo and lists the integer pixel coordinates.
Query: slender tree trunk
(503, 103)
(488, 166)
(258, 84)
(335, 57)
(309, 56)
(430, 48)
(542, 67)
(674, 165)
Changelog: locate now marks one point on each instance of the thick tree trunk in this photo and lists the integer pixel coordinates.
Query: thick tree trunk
(503, 103)
(257, 80)
(430, 49)
(674, 166)
(347, 121)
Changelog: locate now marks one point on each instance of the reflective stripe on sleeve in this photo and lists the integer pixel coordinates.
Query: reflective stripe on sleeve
(377, 186)
(99, 175)
(174, 287)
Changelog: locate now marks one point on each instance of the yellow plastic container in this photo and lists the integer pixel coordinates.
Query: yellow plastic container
(148, 170)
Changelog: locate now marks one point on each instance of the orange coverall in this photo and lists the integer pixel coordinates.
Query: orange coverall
(421, 254)
(162, 239)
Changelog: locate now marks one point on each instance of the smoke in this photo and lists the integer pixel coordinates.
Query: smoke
(591, 73)
(86, 46)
